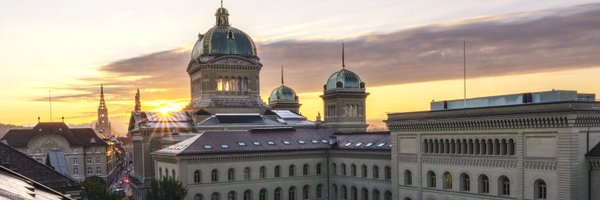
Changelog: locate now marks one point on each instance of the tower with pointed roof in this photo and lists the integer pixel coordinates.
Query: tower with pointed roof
(138, 104)
(103, 124)
(224, 70)
(344, 98)
(284, 98)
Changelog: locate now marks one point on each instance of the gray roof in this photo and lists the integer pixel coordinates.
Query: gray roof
(594, 152)
(277, 139)
(75, 136)
(157, 120)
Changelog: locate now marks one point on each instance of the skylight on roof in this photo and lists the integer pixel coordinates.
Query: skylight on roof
(256, 143)
(206, 146)
(369, 144)
(286, 142)
(380, 144)
(324, 141)
(314, 141)
(358, 144)
(224, 146)
(242, 144)
(348, 144)
(301, 142)
(270, 142)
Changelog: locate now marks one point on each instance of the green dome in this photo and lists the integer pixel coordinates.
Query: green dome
(224, 39)
(283, 94)
(344, 79)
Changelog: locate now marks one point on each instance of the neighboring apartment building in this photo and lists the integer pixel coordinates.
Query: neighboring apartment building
(75, 152)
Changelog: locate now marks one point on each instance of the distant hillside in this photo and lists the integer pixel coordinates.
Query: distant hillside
(5, 127)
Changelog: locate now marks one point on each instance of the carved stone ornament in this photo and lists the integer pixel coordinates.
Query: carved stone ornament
(232, 61)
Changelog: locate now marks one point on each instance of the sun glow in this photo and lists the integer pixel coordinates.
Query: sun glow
(168, 107)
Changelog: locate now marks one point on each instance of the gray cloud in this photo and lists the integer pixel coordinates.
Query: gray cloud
(519, 43)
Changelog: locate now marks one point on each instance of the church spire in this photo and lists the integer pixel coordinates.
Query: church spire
(138, 105)
(102, 102)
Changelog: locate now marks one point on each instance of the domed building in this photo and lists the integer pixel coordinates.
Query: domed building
(224, 70)
(344, 101)
(284, 98)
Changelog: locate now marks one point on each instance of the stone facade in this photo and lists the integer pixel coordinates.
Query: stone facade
(534, 151)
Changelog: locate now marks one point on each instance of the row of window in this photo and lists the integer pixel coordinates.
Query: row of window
(263, 194)
(364, 195)
(363, 172)
(88, 160)
(232, 84)
(231, 173)
(470, 146)
(483, 183)
(89, 171)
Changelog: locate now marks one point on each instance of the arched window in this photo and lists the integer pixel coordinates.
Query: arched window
(540, 189)
(197, 176)
(484, 184)
(407, 177)
(353, 193)
(364, 193)
(344, 192)
(231, 174)
(214, 175)
(503, 186)
(318, 169)
(262, 194)
(226, 84)
(174, 176)
(232, 196)
(277, 194)
(353, 170)
(431, 179)
(388, 173)
(334, 169)
(375, 172)
(198, 197)
(292, 171)
(277, 171)
(388, 195)
(247, 173)
(248, 195)
(496, 147)
(292, 193)
(319, 191)
(263, 172)
(215, 196)
(483, 147)
(166, 171)
(305, 170)
(220, 84)
(364, 171)
(425, 144)
(511, 147)
(465, 182)
(376, 194)
(447, 180)
(159, 172)
(335, 191)
(305, 192)
(343, 169)
(503, 147)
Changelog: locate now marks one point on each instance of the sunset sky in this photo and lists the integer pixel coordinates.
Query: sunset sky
(408, 52)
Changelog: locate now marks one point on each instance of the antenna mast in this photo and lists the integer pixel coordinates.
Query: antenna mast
(465, 72)
(343, 60)
(281, 74)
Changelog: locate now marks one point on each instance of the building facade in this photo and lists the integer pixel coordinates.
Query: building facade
(74, 152)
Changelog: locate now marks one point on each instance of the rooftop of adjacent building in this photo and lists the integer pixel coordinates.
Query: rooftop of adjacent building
(277, 139)
(16, 186)
(19, 138)
(513, 99)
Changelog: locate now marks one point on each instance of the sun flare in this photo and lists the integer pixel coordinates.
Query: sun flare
(169, 107)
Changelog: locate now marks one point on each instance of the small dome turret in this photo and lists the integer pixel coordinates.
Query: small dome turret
(344, 79)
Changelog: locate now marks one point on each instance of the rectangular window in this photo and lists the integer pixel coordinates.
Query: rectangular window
(75, 170)
(98, 170)
(75, 161)
(98, 160)
(89, 160)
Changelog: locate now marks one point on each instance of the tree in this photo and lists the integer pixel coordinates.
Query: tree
(166, 188)
(95, 188)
